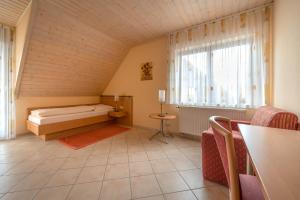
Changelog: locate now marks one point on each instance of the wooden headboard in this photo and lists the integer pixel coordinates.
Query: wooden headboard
(126, 105)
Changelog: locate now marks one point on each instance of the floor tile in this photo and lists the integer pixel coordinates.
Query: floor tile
(191, 150)
(194, 179)
(223, 188)
(33, 181)
(90, 174)
(53, 193)
(162, 166)
(61, 152)
(182, 163)
(140, 168)
(118, 189)
(118, 148)
(174, 153)
(85, 191)
(196, 159)
(100, 151)
(50, 165)
(11, 159)
(152, 146)
(83, 152)
(7, 182)
(74, 163)
(185, 195)
(63, 177)
(96, 160)
(135, 147)
(154, 155)
(144, 168)
(4, 167)
(144, 186)
(160, 197)
(118, 158)
(171, 182)
(138, 156)
(24, 167)
(116, 171)
(24, 195)
(210, 193)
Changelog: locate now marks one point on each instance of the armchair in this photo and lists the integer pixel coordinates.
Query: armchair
(269, 116)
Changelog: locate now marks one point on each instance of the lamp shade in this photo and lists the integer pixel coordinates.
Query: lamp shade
(116, 97)
(161, 96)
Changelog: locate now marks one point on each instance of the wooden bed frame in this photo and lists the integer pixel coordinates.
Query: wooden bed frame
(66, 128)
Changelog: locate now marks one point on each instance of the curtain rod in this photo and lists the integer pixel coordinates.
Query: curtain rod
(225, 17)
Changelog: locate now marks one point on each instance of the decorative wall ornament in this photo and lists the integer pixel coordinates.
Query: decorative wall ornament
(146, 71)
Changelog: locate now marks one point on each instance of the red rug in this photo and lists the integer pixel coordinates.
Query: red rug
(86, 138)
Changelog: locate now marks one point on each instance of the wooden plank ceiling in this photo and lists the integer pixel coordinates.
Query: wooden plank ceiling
(11, 10)
(76, 46)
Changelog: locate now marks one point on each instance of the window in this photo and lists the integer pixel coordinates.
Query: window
(222, 64)
(212, 77)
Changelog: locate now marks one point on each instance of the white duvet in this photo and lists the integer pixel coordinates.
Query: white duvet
(68, 110)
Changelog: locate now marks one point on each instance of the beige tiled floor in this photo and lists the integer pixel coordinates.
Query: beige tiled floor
(126, 166)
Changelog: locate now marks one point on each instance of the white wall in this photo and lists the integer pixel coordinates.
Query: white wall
(287, 55)
(126, 81)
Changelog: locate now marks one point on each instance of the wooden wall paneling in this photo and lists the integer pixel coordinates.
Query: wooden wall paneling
(126, 102)
(76, 46)
(59, 61)
(33, 13)
(10, 11)
(134, 21)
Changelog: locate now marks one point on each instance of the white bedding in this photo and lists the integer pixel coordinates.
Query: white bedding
(101, 110)
(61, 111)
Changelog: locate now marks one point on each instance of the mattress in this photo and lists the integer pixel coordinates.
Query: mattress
(62, 118)
(61, 111)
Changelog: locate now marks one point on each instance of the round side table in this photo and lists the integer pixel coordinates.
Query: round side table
(162, 119)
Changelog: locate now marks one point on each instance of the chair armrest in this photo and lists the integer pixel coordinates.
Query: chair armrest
(234, 124)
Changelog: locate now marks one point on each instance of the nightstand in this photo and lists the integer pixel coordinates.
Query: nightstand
(117, 114)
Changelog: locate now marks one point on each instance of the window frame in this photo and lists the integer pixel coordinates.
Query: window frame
(209, 48)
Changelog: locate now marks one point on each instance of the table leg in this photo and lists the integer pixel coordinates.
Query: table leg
(161, 131)
(157, 133)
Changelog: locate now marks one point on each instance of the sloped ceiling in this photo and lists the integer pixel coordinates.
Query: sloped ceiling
(11, 10)
(76, 46)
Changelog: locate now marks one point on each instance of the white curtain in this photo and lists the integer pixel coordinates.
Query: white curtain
(7, 109)
(222, 63)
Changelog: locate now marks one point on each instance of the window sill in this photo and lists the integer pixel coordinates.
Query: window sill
(215, 108)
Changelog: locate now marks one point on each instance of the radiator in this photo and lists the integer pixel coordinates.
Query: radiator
(194, 120)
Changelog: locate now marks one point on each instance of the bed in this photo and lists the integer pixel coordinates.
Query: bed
(59, 121)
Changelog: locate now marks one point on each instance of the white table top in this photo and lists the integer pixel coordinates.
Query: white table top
(275, 154)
